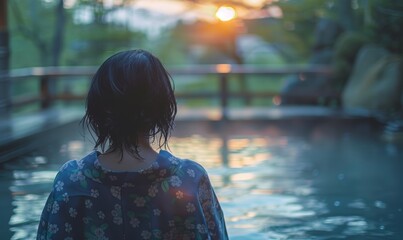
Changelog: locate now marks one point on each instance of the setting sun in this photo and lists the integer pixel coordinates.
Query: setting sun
(225, 13)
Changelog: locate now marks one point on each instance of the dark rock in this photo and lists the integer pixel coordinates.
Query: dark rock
(376, 81)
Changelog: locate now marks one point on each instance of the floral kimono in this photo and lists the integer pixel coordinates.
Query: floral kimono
(172, 199)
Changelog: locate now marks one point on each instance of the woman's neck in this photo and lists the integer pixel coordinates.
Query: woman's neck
(126, 161)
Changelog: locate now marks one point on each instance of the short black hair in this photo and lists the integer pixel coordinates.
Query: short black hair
(131, 96)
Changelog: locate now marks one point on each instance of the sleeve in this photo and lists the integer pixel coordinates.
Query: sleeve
(60, 219)
(62, 214)
(43, 223)
(212, 211)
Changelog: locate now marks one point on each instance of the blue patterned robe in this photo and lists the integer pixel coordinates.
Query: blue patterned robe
(173, 199)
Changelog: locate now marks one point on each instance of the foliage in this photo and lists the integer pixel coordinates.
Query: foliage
(170, 47)
(387, 24)
(92, 44)
(346, 50)
(297, 27)
(381, 23)
(30, 34)
(33, 30)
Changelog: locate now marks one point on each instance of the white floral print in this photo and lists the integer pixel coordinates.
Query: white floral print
(77, 176)
(73, 212)
(117, 214)
(134, 222)
(175, 181)
(157, 212)
(99, 232)
(65, 197)
(152, 191)
(101, 215)
(173, 199)
(146, 235)
(59, 186)
(115, 191)
(139, 201)
(94, 193)
(191, 173)
(190, 207)
(201, 228)
(55, 208)
(163, 172)
(68, 227)
(88, 203)
(173, 160)
(52, 228)
(179, 194)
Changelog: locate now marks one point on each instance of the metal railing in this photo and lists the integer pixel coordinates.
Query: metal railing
(223, 72)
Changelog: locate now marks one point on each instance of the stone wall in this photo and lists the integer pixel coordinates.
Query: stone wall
(376, 82)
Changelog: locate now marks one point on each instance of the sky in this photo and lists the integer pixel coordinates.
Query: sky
(153, 16)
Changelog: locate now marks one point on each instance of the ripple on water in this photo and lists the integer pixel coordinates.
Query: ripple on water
(270, 187)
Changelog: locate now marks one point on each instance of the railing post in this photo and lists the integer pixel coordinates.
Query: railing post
(5, 84)
(224, 95)
(45, 92)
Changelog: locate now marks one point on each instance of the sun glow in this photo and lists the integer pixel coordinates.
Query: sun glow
(225, 13)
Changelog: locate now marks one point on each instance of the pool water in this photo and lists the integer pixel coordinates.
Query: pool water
(275, 179)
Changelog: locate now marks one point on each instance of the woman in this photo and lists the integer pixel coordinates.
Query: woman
(128, 190)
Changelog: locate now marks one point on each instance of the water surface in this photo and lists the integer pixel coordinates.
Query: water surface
(288, 180)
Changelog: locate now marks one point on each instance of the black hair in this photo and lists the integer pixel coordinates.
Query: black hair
(130, 97)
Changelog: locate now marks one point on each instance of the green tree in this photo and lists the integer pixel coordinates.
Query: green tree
(50, 34)
(30, 24)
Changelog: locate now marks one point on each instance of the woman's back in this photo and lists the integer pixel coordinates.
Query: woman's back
(172, 199)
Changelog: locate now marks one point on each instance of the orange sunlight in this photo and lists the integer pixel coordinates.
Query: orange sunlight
(225, 13)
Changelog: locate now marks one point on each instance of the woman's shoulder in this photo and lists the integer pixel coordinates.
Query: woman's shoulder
(76, 165)
(195, 166)
(72, 174)
(191, 167)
